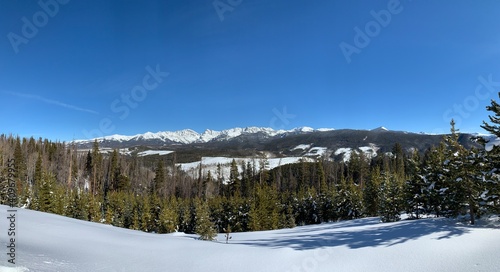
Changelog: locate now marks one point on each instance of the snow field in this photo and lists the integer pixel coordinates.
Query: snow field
(49, 242)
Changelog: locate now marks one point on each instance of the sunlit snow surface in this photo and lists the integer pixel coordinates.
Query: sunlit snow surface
(48, 242)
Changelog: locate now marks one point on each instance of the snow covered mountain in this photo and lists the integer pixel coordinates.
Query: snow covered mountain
(252, 142)
(188, 136)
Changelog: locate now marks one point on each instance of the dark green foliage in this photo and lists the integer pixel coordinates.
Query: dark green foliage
(371, 194)
(391, 201)
(203, 224)
(415, 188)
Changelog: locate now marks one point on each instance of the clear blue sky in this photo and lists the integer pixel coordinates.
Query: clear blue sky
(83, 68)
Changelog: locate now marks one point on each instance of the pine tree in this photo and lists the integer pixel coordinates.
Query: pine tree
(114, 171)
(464, 176)
(46, 193)
(371, 193)
(96, 168)
(415, 189)
(434, 177)
(349, 200)
(168, 216)
(204, 226)
(20, 162)
(145, 211)
(234, 179)
(492, 157)
(391, 199)
(160, 179)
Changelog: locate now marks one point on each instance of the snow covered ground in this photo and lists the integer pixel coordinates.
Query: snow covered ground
(46, 242)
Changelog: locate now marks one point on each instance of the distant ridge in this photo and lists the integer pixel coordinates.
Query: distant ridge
(189, 136)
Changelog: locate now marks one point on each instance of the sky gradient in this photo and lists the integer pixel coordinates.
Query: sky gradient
(82, 69)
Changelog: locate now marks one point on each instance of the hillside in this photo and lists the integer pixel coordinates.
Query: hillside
(252, 142)
(47, 242)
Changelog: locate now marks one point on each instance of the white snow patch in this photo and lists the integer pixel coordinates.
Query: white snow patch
(346, 151)
(325, 129)
(492, 142)
(316, 151)
(154, 152)
(369, 151)
(302, 146)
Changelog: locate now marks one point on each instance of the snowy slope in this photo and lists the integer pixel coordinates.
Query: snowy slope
(53, 243)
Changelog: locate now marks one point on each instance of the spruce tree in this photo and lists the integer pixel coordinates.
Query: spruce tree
(391, 198)
(415, 189)
(204, 227)
(168, 216)
(159, 181)
(464, 177)
(46, 194)
(234, 179)
(96, 169)
(371, 192)
(492, 157)
(434, 178)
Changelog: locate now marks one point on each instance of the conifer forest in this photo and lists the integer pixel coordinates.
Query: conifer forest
(155, 195)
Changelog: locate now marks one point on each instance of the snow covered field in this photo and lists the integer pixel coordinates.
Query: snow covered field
(46, 242)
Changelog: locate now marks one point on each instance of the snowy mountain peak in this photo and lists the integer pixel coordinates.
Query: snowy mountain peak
(380, 129)
(188, 136)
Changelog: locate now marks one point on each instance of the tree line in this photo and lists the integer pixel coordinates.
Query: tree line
(131, 192)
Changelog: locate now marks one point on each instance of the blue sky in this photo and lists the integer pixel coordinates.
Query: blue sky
(82, 69)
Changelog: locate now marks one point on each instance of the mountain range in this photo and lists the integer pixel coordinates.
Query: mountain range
(189, 136)
(191, 146)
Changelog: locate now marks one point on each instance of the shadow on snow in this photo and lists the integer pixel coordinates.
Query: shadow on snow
(358, 234)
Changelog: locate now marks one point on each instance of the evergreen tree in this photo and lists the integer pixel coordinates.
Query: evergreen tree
(391, 199)
(492, 157)
(371, 193)
(46, 193)
(415, 189)
(234, 179)
(464, 177)
(434, 178)
(160, 179)
(96, 168)
(349, 200)
(204, 226)
(114, 171)
(168, 216)
(20, 163)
